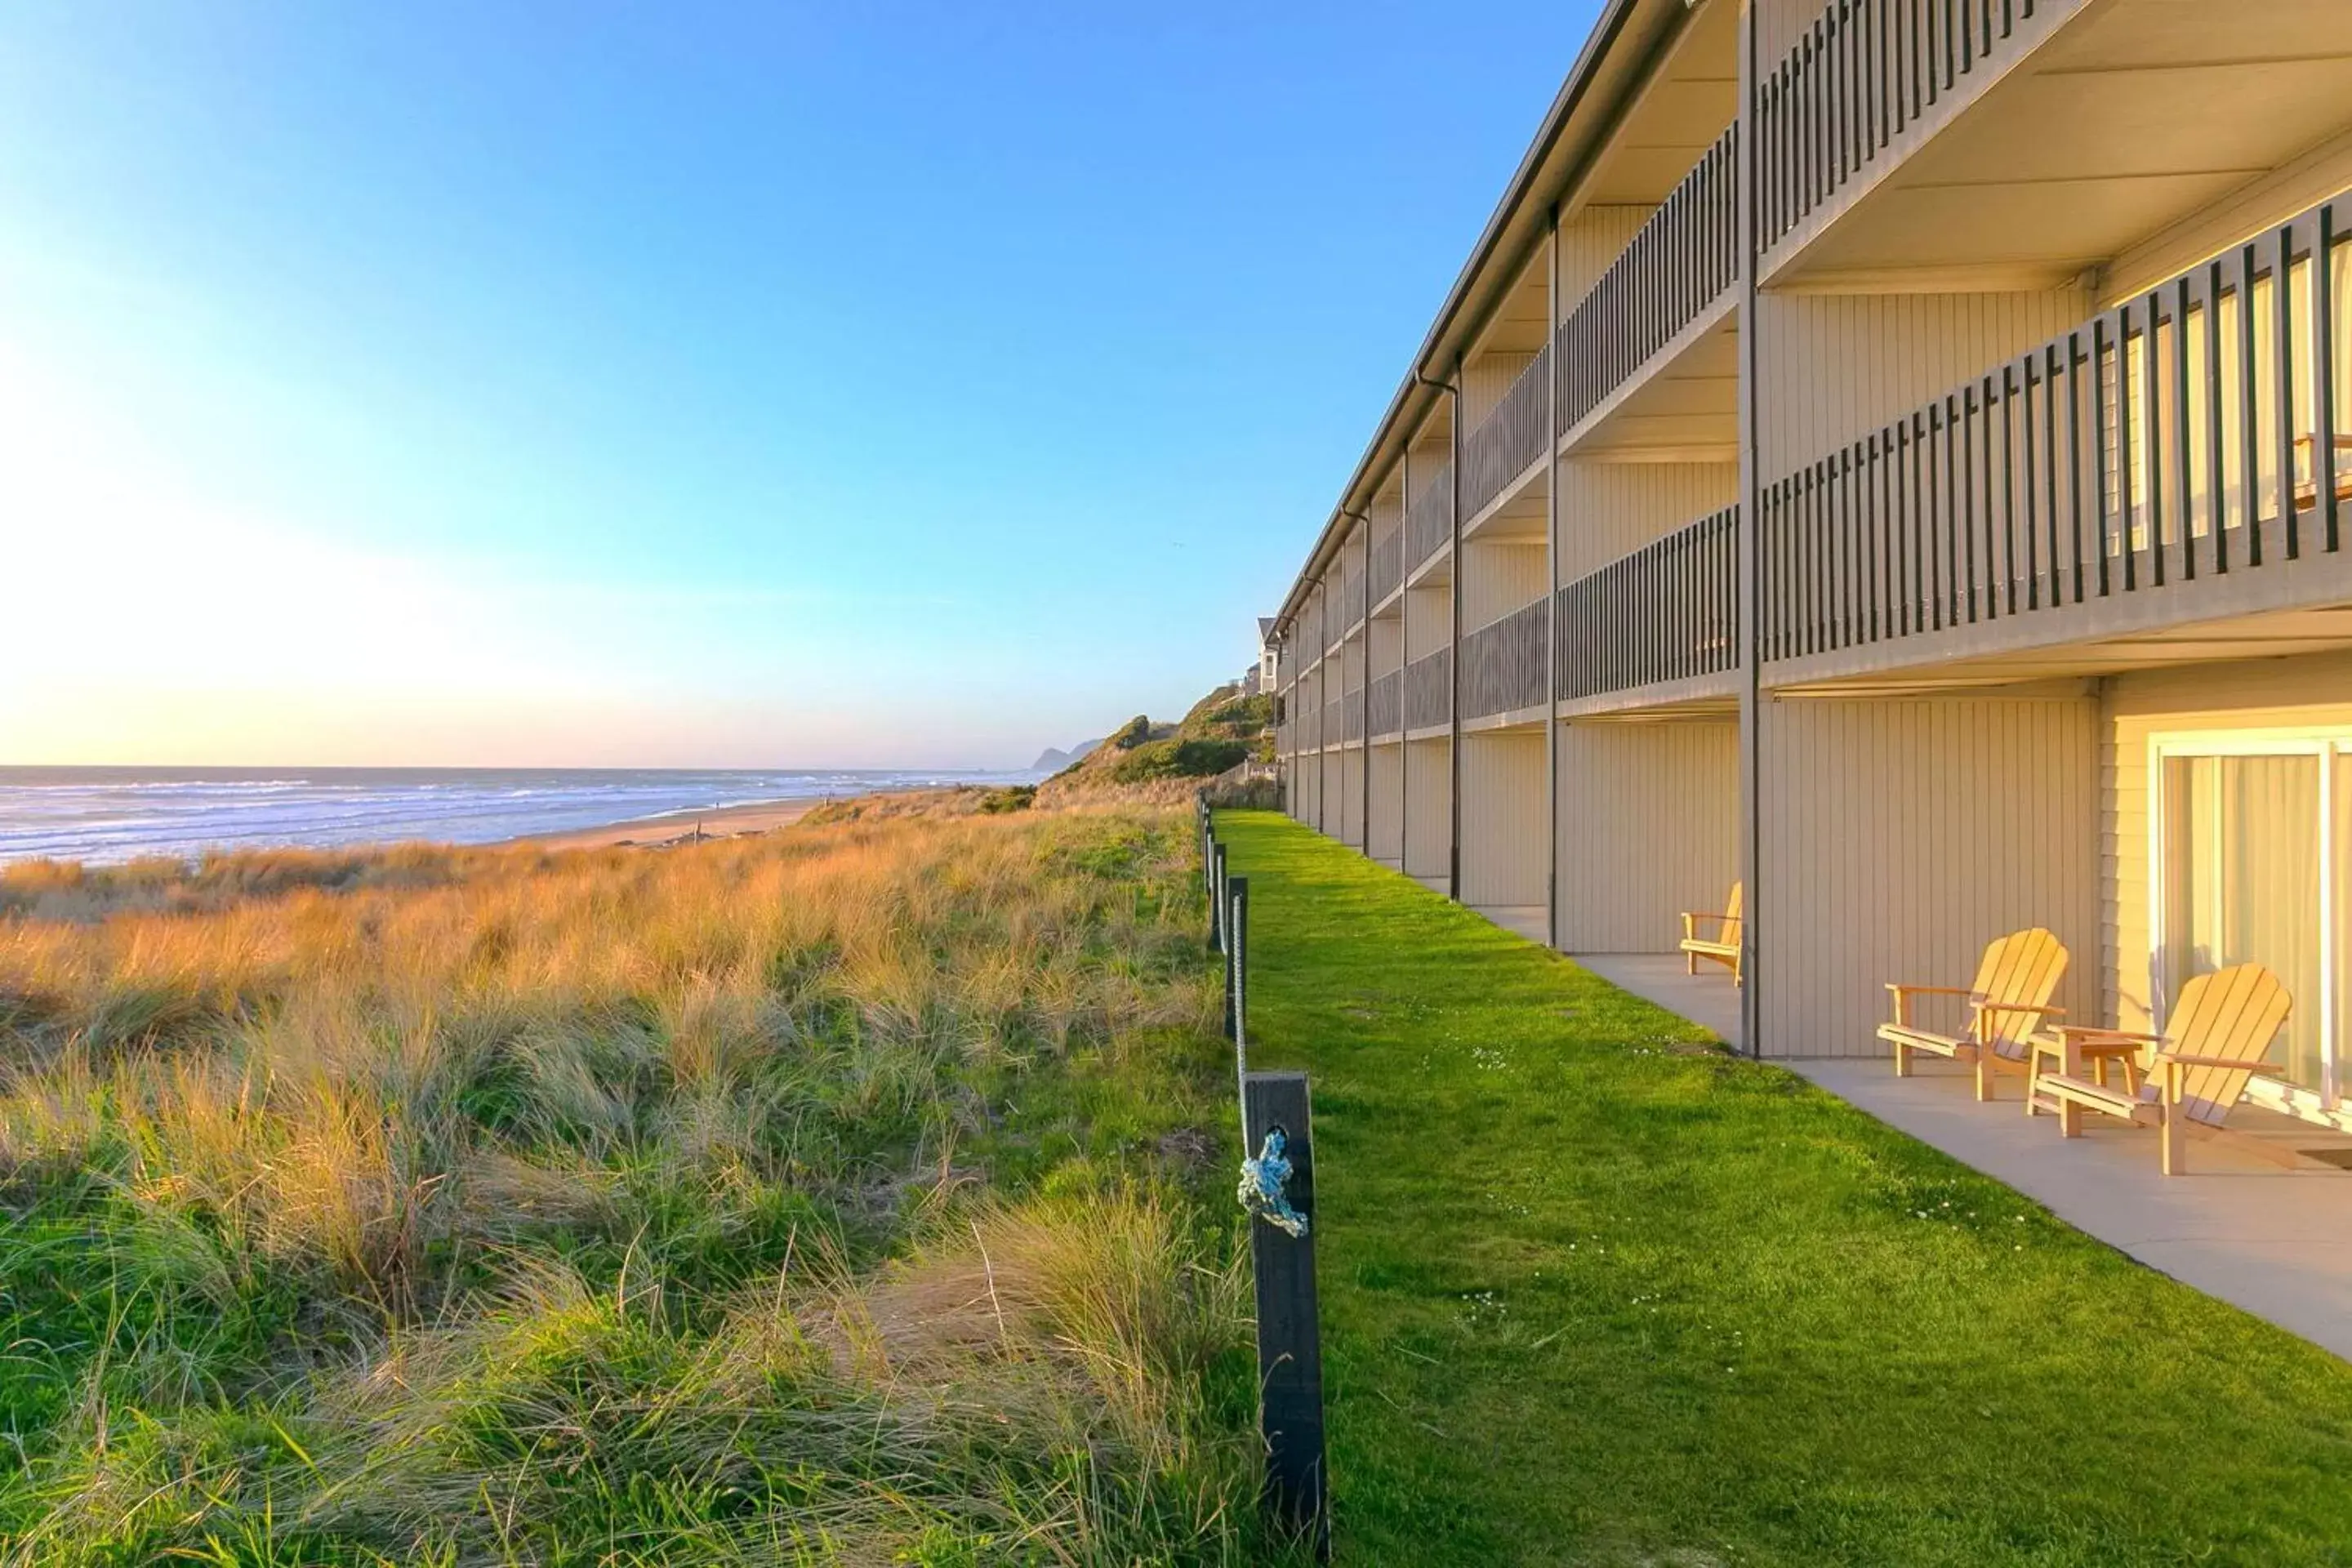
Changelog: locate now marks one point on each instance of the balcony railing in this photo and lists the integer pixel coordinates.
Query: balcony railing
(1351, 716)
(1386, 565)
(1429, 690)
(1667, 612)
(1335, 720)
(1310, 726)
(1506, 664)
(1680, 262)
(1857, 79)
(1385, 704)
(1345, 605)
(1429, 521)
(1508, 440)
(2198, 431)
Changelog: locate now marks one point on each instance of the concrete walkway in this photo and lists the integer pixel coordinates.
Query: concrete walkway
(1707, 998)
(2277, 1243)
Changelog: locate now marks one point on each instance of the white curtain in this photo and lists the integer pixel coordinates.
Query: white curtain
(2241, 882)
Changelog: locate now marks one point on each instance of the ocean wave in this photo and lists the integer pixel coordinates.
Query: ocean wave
(121, 815)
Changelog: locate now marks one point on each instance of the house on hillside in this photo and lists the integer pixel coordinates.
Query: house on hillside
(1897, 458)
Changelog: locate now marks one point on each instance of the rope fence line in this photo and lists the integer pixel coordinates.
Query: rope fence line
(1277, 1190)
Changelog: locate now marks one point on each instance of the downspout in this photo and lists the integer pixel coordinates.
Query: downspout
(1551, 582)
(1750, 557)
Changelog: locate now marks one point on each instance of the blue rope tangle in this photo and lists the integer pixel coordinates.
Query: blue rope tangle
(1263, 1180)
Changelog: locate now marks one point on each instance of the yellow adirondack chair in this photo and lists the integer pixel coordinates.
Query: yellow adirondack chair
(1724, 946)
(2008, 1001)
(2220, 1028)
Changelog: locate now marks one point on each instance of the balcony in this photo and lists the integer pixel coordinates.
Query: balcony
(1509, 441)
(1336, 713)
(1505, 666)
(1429, 521)
(1385, 704)
(1961, 145)
(1668, 612)
(1429, 690)
(1680, 266)
(1864, 77)
(1385, 566)
(2180, 461)
(1343, 604)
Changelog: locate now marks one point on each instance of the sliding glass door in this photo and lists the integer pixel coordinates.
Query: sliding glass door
(2246, 837)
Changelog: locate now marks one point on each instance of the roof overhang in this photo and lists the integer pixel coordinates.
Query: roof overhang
(1625, 44)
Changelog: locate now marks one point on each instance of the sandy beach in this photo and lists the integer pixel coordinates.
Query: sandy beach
(757, 817)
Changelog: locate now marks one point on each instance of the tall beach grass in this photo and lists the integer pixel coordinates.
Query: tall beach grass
(845, 1194)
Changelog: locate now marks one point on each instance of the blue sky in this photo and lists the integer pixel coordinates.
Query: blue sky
(857, 385)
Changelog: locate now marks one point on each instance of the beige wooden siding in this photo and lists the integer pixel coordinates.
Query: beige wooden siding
(1649, 827)
(1387, 782)
(1351, 830)
(1505, 824)
(1589, 243)
(2313, 691)
(1611, 510)
(1428, 619)
(1497, 578)
(1306, 789)
(1779, 24)
(1899, 838)
(1428, 819)
(1485, 379)
(1834, 367)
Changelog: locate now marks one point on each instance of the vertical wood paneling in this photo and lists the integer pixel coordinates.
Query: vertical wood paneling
(2314, 690)
(1498, 577)
(1833, 367)
(1900, 837)
(1428, 619)
(1334, 794)
(1778, 24)
(1590, 242)
(1611, 510)
(1503, 818)
(1429, 823)
(1387, 785)
(1649, 818)
(1485, 379)
(1349, 829)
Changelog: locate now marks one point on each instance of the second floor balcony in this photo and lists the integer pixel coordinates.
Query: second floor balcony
(1664, 620)
(1505, 665)
(2183, 460)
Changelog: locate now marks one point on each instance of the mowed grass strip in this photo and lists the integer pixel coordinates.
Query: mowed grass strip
(1596, 1291)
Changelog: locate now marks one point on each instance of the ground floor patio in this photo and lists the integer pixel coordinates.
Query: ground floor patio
(2270, 1240)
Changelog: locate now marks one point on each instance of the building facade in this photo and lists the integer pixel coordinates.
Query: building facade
(1895, 455)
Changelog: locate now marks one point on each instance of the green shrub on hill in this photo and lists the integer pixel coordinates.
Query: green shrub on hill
(1175, 759)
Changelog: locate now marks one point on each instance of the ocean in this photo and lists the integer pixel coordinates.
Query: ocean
(104, 814)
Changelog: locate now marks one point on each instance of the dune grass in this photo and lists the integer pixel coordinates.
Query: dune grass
(856, 1193)
(1595, 1291)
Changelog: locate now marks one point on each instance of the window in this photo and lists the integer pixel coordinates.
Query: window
(2245, 868)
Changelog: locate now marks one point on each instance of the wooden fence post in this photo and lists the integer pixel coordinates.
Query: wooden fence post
(1289, 1344)
(1217, 898)
(1236, 954)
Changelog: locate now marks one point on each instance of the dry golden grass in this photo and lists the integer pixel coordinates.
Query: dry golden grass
(789, 1199)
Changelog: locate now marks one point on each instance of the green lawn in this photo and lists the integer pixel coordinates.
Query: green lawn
(1594, 1291)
